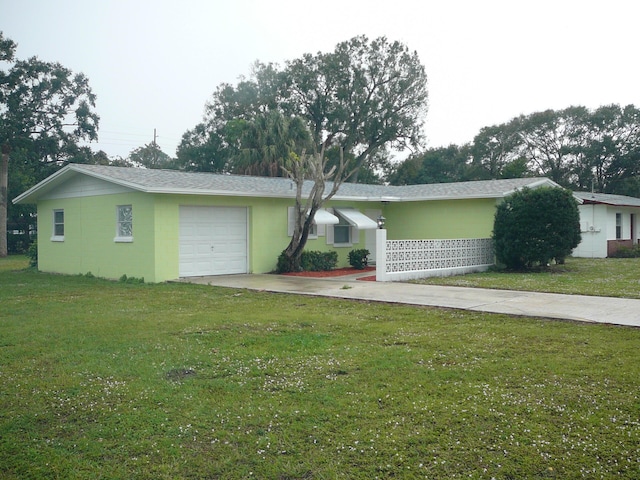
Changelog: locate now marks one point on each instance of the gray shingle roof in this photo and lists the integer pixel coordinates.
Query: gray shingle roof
(173, 181)
(608, 199)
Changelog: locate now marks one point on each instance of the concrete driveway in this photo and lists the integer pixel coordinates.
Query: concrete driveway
(616, 311)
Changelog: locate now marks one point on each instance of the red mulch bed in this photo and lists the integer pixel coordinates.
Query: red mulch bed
(338, 272)
(371, 278)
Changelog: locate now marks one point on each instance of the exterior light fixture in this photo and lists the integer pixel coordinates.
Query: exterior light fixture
(381, 221)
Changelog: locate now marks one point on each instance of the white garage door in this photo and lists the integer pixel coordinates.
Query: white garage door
(213, 241)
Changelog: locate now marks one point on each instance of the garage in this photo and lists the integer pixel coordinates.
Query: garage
(212, 240)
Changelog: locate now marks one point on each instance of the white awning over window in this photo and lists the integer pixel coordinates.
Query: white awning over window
(357, 219)
(323, 217)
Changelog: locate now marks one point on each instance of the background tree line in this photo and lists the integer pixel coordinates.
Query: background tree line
(578, 148)
(359, 104)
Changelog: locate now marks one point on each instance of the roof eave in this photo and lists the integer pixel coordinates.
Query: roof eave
(449, 197)
(34, 193)
(46, 184)
(536, 184)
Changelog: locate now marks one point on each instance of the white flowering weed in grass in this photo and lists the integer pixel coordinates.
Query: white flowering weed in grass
(110, 380)
(609, 277)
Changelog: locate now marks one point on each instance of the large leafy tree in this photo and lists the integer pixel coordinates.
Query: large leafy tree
(552, 141)
(150, 156)
(364, 97)
(435, 165)
(46, 112)
(611, 152)
(496, 153)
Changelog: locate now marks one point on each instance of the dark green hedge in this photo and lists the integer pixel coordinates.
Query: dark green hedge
(535, 227)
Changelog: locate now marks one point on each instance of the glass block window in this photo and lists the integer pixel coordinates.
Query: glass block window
(125, 221)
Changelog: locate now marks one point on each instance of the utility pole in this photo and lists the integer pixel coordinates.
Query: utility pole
(155, 150)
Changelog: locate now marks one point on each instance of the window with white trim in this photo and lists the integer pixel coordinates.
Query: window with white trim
(124, 223)
(313, 231)
(342, 232)
(618, 226)
(58, 226)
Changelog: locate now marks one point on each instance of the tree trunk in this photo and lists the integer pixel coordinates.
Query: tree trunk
(4, 199)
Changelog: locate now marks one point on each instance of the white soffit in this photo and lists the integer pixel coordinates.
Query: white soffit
(322, 217)
(357, 219)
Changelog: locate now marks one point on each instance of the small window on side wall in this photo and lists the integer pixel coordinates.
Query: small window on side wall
(58, 226)
(618, 226)
(124, 223)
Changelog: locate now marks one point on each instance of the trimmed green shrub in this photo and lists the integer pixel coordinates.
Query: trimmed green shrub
(315, 261)
(358, 258)
(284, 265)
(536, 226)
(312, 261)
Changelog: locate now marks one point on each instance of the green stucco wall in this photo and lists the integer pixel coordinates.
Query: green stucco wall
(440, 219)
(90, 228)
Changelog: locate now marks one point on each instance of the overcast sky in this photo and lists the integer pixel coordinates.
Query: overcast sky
(154, 64)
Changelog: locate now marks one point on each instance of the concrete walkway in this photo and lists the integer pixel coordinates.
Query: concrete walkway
(617, 311)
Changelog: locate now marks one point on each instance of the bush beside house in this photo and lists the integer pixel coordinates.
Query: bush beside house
(535, 227)
(358, 258)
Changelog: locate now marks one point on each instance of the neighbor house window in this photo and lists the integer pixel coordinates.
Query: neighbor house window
(124, 228)
(58, 226)
(618, 226)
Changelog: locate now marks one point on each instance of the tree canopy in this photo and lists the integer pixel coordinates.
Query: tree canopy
(364, 97)
(46, 113)
(576, 147)
(149, 156)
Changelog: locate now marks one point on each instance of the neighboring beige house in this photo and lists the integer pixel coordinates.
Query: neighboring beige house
(607, 222)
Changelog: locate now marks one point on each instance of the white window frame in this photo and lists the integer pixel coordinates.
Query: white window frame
(345, 226)
(354, 233)
(121, 235)
(619, 224)
(313, 232)
(55, 237)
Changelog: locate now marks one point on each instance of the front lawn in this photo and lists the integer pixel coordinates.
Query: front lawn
(608, 277)
(104, 380)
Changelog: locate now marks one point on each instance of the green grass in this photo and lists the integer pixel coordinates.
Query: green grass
(107, 380)
(608, 277)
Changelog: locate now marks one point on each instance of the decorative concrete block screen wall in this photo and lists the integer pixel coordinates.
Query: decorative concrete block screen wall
(410, 259)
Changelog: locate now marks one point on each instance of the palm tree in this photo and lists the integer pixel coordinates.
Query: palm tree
(267, 142)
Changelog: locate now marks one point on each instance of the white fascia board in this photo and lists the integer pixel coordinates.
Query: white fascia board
(447, 197)
(543, 182)
(219, 193)
(45, 185)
